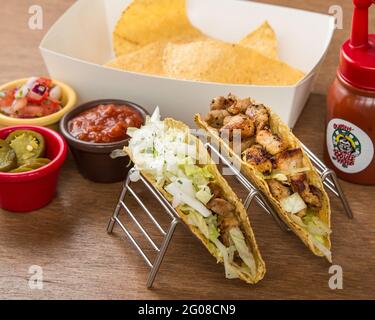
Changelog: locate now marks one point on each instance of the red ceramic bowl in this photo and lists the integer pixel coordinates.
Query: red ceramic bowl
(29, 191)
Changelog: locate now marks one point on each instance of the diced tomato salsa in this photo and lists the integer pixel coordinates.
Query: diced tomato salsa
(105, 123)
(38, 97)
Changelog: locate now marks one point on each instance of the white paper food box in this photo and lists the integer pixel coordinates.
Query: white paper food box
(80, 42)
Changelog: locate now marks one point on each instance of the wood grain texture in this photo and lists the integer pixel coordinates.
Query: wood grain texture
(80, 261)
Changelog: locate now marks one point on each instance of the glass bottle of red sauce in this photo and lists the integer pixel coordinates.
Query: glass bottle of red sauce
(350, 121)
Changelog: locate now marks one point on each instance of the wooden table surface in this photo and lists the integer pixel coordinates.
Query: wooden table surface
(68, 238)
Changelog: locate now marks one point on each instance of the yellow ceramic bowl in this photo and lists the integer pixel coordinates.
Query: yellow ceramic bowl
(69, 100)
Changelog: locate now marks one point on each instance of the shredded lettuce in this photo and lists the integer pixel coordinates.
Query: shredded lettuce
(208, 226)
(317, 241)
(199, 175)
(298, 220)
(316, 226)
(293, 203)
(179, 196)
(318, 232)
(243, 249)
(277, 176)
(204, 194)
(227, 255)
(131, 130)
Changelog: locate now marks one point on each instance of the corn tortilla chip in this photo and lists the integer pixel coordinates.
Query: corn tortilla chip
(147, 21)
(148, 59)
(217, 61)
(262, 40)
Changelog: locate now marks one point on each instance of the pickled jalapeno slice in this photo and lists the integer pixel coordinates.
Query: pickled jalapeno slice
(26, 144)
(21, 170)
(35, 163)
(8, 159)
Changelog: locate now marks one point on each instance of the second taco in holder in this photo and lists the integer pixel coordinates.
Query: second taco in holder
(273, 159)
(177, 164)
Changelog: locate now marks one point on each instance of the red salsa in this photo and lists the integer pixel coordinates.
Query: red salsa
(105, 123)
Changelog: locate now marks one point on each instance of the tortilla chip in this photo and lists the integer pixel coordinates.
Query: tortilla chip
(216, 61)
(147, 21)
(148, 59)
(262, 40)
(156, 37)
(280, 128)
(228, 194)
(122, 46)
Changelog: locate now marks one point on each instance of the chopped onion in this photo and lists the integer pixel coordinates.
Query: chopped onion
(30, 82)
(21, 92)
(135, 176)
(55, 93)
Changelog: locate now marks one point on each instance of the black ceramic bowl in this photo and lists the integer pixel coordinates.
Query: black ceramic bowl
(93, 159)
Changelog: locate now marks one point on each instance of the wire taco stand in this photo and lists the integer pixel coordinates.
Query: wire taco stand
(330, 180)
(253, 194)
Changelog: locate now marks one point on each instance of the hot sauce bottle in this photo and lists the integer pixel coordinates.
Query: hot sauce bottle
(350, 134)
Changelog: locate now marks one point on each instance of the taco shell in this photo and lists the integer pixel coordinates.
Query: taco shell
(228, 194)
(256, 177)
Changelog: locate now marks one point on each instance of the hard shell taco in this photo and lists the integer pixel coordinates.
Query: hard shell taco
(179, 166)
(274, 160)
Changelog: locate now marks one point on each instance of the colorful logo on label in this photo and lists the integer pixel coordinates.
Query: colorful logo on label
(350, 148)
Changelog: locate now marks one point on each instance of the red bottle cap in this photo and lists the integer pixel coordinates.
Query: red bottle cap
(357, 58)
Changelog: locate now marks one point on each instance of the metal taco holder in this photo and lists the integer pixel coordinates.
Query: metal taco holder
(328, 177)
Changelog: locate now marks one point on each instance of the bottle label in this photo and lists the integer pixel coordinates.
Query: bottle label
(349, 147)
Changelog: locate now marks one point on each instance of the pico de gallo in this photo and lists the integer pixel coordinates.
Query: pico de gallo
(38, 97)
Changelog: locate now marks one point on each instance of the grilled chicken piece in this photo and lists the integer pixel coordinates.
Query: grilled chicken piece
(216, 118)
(225, 212)
(278, 190)
(309, 193)
(289, 159)
(222, 103)
(225, 224)
(258, 157)
(240, 106)
(259, 114)
(314, 198)
(240, 122)
(220, 206)
(247, 143)
(215, 190)
(227, 120)
(271, 142)
(299, 182)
